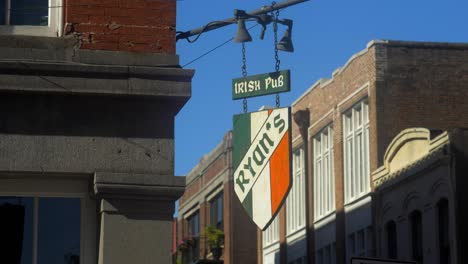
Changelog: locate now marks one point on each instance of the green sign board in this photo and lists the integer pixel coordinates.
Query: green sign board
(261, 84)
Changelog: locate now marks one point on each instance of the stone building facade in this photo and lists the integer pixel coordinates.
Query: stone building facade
(343, 127)
(417, 211)
(210, 200)
(88, 95)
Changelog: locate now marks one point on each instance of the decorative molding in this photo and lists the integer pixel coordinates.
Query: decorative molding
(434, 150)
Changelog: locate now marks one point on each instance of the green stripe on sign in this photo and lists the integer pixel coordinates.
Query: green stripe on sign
(247, 203)
(241, 138)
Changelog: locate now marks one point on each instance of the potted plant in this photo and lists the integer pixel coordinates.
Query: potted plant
(214, 237)
(184, 244)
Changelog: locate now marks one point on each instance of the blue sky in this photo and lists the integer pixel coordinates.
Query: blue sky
(326, 33)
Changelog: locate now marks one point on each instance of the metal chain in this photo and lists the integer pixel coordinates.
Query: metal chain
(244, 74)
(277, 60)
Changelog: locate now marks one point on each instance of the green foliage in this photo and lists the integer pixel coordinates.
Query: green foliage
(213, 236)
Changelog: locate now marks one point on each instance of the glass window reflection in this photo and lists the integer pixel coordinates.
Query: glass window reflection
(16, 229)
(59, 231)
(29, 12)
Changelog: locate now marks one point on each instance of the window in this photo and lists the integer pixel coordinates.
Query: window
(360, 243)
(443, 231)
(31, 17)
(216, 212)
(416, 236)
(193, 224)
(324, 181)
(326, 254)
(55, 209)
(390, 229)
(356, 151)
(271, 234)
(40, 230)
(295, 203)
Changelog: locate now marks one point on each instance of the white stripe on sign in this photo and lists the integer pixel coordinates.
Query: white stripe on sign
(261, 198)
(260, 151)
(257, 120)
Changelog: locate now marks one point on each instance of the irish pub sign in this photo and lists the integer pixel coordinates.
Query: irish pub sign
(262, 162)
(261, 84)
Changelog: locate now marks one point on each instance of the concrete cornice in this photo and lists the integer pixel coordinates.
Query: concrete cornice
(77, 78)
(138, 186)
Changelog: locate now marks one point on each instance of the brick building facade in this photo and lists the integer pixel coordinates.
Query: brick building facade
(343, 126)
(209, 200)
(88, 94)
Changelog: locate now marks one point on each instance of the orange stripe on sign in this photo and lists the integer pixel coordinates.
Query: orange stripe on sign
(279, 173)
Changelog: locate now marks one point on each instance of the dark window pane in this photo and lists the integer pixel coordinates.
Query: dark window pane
(2, 12)
(444, 241)
(391, 240)
(29, 12)
(216, 212)
(59, 231)
(16, 229)
(416, 236)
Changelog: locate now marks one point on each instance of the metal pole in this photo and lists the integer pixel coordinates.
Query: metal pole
(222, 23)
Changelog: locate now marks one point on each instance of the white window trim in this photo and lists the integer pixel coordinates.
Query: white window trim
(363, 129)
(271, 235)
(54, 28)
(59, 187)
(324, 199)
(295, 203)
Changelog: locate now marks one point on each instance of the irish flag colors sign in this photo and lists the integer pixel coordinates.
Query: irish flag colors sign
(262, 162)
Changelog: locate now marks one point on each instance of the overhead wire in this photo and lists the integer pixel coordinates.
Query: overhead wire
(213, 49)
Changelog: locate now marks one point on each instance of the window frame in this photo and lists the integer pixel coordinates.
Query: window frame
(54, 26)
(324, 198)
(295, 202)
(217, 201)
(356, 145)
(270, 236)
(366, 250)
(194, 252)
(58, 187)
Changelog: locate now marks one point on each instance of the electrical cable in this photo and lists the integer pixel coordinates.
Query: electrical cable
(213, 49)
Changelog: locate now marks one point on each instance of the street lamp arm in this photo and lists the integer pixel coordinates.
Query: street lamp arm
(222, 23)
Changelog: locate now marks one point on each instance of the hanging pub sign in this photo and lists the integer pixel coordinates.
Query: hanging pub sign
(261, 84)
(262, 162)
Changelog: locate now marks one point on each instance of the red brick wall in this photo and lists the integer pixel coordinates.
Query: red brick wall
(215, 168)
(190, 190)
(123, 25)
(421, 86)
(326, 104)
(410, 85)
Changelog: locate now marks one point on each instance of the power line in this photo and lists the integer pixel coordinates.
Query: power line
(213, 49)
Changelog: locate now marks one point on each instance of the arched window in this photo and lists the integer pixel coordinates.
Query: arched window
(443, 231)
(390, 229)
(415, 219)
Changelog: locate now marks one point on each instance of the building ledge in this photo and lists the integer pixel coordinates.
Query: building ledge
(110, 185)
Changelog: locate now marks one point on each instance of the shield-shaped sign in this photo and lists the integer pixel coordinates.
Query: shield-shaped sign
(262, 162)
